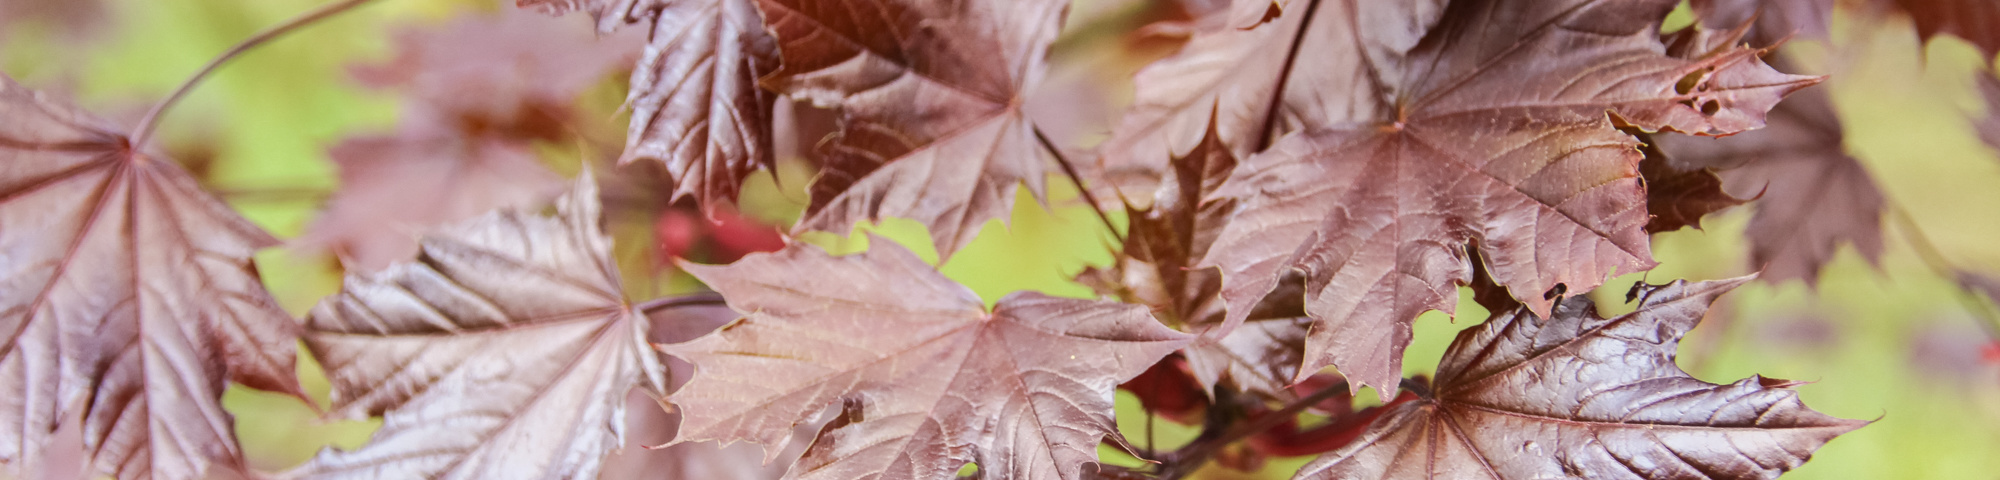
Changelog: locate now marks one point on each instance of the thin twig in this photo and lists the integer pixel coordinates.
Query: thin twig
(1078, 181)
(146, 125)
(1932, 257)
(689, 300)
(1189, 458)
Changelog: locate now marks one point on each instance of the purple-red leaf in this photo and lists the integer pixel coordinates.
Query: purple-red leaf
(1976, 21)
(504, 352)
(1811, 197)
(395, 187)
(1499, 130)
(1770, 20)
(1677, 196)
(930, 93)
(483, 89)
(125, 291)
(924, 378)
(1249, 83)
(696, 106)
(1156, 268)
(1577, 395)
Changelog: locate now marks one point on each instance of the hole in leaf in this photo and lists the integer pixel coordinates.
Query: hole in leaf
(1555, 292)
(1691, 80)
(968, 471)
(1710, 107)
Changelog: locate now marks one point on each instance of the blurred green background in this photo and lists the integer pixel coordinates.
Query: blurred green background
(1889, 341)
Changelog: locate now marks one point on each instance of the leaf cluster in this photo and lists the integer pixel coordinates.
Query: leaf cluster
(1299, 179)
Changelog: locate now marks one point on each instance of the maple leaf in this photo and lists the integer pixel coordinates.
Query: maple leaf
(1575, 394)
(1770, 21)
(696, 106)
(1675, 197)
(505, 351)
(1811, 195)
(511, 74)
(930, 94)
(648, 423)
(74, 19)
(1976, 21)
(484, 89)
(1471, 144)
(393, 187)
(128, 293)
(1156, 268)
(925, 378)
(1250, 82)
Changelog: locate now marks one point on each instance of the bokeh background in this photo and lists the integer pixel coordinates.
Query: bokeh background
(1891, 340)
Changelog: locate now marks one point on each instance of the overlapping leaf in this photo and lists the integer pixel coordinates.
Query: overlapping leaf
(925, 379)
(504, 352)
(696, 106)
(1495, 133)
(930, 93)
(1976, 21)
(1770, 20)
(1812, 197)
(1577, 395)
(1251, 82)
(126, 292)
(1677, 196)
(1156, 268)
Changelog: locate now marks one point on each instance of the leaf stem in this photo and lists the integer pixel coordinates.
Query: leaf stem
(1284, 77)
(144, 130)
(1078, 181)
(677, 301)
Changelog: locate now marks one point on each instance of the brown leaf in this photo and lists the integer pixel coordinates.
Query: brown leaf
(1477, 143)
(483, 90)
(395, 187)
(930, 94)
(648, 424)
(1156, 268)
(1976, 21)
(512, 74)
(505, 351)
(696, 106)
(1677, 197)
(1770, 20)
(925, 378)
(1577, 395)
(129, 293)
(608, 14)
(1810, 195)
(1248, 84)
(74, 19)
